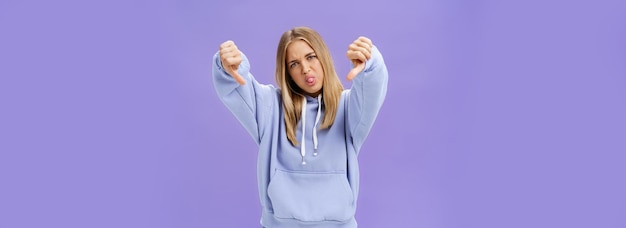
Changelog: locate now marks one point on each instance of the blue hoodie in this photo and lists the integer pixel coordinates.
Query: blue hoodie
(301, 186)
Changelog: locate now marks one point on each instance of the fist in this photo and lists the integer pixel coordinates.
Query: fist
(358, 53)
(231, 58)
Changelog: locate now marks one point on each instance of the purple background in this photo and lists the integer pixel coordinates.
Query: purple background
(497, 114)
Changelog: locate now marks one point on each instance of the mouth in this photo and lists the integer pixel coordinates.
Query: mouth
(310, 80)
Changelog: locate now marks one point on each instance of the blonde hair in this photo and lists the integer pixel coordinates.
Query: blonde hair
(292, 94)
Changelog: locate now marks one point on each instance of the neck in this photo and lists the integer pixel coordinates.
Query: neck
(312, 94)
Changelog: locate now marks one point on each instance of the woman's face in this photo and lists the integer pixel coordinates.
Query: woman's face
(304, 67)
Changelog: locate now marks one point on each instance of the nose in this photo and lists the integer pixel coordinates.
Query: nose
(305, 67)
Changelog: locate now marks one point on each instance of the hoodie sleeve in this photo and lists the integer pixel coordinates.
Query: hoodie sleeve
(366, 97)
(250, 103)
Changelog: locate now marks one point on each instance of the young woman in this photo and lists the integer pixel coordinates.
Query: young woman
(309, 129)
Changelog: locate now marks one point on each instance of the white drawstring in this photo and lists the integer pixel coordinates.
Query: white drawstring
(317, 120)
(303, 121)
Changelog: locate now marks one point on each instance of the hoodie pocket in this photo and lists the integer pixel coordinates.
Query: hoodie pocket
(311, 196)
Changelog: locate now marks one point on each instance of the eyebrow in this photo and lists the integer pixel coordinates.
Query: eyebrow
(307, 55)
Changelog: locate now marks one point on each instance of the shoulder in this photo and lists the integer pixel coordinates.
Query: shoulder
(345, 97)
(267, 94)
(345, 94)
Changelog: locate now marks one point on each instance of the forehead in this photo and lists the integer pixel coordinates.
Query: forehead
(298, 49)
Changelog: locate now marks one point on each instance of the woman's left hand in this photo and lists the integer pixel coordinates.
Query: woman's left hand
(358, 53)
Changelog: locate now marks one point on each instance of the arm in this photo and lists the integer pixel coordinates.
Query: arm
(366, 97)
(250, 101)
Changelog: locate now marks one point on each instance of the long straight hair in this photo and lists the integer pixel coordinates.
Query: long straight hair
(292, 94)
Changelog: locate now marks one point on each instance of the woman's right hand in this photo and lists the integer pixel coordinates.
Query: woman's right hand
(231, 58)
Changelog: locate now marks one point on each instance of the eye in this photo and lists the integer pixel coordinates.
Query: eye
(293, 64)
(310, 57)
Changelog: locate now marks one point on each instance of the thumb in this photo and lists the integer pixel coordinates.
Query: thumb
(233, 72)
(358, 67)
